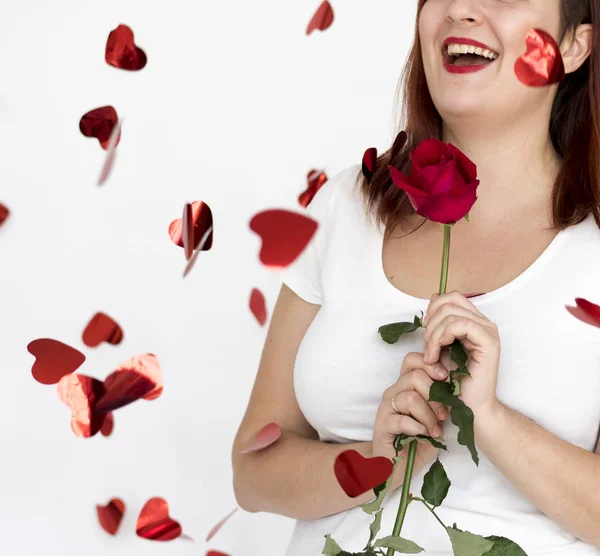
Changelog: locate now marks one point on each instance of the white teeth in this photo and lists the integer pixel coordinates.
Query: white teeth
(456, 49)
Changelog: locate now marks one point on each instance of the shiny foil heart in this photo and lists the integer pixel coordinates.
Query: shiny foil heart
(80, 393)
(4, 213)
(102, 328)
(108, 426)
(266, 436)
(99, 123)
(111, 153)
(258, 306)
(369, 163)
(398, 145)
(218, 526)
(154, 522)
(316, 179)
(110, 516)
(187, 231)
(284, 235)
(53, 360)
(585, 311)
(121, 51)
(322, 19)
(207, 235)
(542, 64)
(201, 221)
(357, 474)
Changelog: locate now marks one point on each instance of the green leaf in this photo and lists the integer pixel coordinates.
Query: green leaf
(462, 417)
(391, 333)
(467, 217)
(504, 547)
(459, 356)
(435, 484)
(404, 546)
(382, 490)
(408, 439)
(443, 392)
(332, 548)
(468, 544)
(374, 527)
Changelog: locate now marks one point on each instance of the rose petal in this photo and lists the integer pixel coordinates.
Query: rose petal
(121, 51)
(284, 235)
(369, 163)
(266, 436)
(428, 153)
(99, 123)
(108, 426)
(110, 516)
(53, 360)
(322, 19)
(80, 393)
(111, 153)
(258, 306)
(465, 166)
(102, 328)
(316, 179)
(154, 522)
(218, 526)
(542, 64)
(357, 474)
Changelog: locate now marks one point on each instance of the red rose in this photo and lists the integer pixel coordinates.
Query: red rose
(443, 182)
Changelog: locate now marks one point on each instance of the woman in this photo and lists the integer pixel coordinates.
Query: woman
(532, 244)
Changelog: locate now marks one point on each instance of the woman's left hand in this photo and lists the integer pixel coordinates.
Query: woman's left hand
(452, 316)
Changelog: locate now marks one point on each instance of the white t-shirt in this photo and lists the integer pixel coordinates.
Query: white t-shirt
(549, 372)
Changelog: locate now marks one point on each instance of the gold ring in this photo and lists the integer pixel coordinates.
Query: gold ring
(394, 404)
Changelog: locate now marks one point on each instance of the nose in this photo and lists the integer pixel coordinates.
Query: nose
(464, 11)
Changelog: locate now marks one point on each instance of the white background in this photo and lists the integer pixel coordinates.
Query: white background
(234, 107)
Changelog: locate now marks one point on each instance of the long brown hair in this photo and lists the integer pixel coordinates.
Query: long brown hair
(574, 130)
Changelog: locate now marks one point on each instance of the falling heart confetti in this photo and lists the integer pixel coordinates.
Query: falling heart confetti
(369, 163)
(316, 179)
(542, 64)
(357, 474)
(398, 144)
(284, 236)
(4, 213)
(110, 516)
(102, 328)
(322, 19)
(187, 232)
(258, 306)
(108, 426)
(80, 393)
(53, 360)
(205, 238)
(121, 51)
(585, 311)
(216, 553)
(99, 123)
(111, 153)
(137, 377)
(154, 522)
(202, 220)
(266, 436)
(218, 526)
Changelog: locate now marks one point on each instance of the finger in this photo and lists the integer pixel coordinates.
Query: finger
(450, 309)
(454, 297)
(398, 424)
(415, 360)
(421, 382)
(412, 403)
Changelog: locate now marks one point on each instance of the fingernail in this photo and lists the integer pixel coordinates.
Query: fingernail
(441, 372)
(437, 431)
(442, 413)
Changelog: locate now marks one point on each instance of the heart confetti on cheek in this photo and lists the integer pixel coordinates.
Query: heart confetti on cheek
(53, 360)
(110, 516)
(102, 328)
(284, 235)
(542, 64)
(357, 474)
(121, 51)
(322, 19)
(154, 522)
(137, 377)
(99, 123)
(108, 426)
(218, 526)
(316, 179)
(111, 153)
(80, 393)
(369, 163)
(585, 311)
(266, 436)
(202, 220)
(4, 213)
(258, 306)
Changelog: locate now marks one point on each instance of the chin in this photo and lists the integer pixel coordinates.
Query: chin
(461, 106)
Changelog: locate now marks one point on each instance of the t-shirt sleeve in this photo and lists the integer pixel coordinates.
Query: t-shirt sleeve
(303, 276)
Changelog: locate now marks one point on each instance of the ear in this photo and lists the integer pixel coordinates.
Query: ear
(577, 47)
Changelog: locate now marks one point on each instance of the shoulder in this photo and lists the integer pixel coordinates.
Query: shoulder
(343, 186)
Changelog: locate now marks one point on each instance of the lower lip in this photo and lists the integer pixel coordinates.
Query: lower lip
(465, 69)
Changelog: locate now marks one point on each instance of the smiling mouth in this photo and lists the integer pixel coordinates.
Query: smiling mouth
(466, 59)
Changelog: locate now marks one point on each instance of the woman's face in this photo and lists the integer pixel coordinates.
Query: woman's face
(501, 25)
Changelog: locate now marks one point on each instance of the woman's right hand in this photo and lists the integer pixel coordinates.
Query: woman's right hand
(411, 394)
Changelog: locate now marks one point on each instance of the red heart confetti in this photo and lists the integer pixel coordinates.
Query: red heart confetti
(110, 516)
(108, 426)
(316, 179)
(258, 306)
(284, 236)
(585, 311)
(111, 153)
(369, 163)
(398, 145)
(154, 522)
(4, 213)
(53, 360)
(99, 123)
(137, 377)
(265, 437)
(80, 393)
(542, 64)
(218, 526)
(102, 328)
(187, 232)
(357, 474)
(203, 241)
(202, 220)
(216, 553)
(121, 51)
(322, 19)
